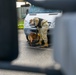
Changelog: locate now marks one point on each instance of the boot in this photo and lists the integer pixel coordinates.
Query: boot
(39, 43)
(45, 45)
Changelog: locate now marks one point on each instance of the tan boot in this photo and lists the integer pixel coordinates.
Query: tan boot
(45, 45)
(39, 43)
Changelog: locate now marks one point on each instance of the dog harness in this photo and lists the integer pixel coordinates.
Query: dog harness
(39, 24)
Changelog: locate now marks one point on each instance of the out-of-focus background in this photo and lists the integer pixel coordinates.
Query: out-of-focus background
(28, 56)
(22, 7)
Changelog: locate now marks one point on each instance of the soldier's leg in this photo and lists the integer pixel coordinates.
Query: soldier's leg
(40, 40)
(45, 40)
(44, 35)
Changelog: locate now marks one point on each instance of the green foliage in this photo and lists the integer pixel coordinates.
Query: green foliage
(20, 24)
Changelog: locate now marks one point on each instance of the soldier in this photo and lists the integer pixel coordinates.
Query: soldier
(42, 26)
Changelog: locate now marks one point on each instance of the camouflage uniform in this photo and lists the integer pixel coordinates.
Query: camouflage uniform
(43, 31)
(42, 26)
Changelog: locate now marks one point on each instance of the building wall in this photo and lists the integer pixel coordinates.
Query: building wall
(21, 12)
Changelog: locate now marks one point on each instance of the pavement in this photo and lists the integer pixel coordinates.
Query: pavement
(30, 56)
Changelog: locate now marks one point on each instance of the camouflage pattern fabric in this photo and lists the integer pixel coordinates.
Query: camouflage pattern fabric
(43, 31)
